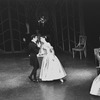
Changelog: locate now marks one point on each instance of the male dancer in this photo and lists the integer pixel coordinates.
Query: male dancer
(33, 51)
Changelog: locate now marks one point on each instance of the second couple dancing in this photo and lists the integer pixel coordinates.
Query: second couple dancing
(51, 68)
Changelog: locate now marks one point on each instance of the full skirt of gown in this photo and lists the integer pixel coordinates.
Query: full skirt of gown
(95, 88)
(51, 69)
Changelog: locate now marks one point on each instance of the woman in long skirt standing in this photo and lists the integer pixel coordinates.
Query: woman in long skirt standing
(51, 68)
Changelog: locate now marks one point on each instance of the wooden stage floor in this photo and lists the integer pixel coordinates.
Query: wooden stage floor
(15, 85)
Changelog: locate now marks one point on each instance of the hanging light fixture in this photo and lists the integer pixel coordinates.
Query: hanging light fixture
(42, 20)
(42, 15)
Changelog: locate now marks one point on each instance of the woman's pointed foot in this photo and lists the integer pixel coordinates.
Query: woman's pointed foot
(61, 80)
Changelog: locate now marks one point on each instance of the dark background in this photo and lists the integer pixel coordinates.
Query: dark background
(91, 13)
(92, 24)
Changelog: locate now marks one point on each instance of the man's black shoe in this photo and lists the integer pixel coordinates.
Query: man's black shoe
(35, 80)
(30, 78)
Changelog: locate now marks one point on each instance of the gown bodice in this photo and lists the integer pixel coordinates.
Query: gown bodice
(46, 49)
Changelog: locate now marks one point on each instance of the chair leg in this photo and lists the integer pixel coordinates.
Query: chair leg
(80, 55)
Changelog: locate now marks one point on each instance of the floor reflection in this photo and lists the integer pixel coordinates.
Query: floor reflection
(52, 92)
(15, 85)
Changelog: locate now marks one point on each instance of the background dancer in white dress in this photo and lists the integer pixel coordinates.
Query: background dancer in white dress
(95, 88)
(51, 68)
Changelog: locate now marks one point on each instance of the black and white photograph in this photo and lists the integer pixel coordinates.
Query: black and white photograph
(49, 49)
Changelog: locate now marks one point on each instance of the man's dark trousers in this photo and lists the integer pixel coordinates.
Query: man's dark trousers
(33, 49)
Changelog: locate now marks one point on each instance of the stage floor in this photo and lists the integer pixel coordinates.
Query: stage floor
(15, 85)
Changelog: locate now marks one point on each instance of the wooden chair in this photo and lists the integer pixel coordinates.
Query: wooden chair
(80, 47)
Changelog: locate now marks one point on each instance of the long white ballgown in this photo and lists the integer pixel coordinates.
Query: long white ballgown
(51, 68)
(95, 88)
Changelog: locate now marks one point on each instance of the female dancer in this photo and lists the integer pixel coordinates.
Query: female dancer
(51, 68)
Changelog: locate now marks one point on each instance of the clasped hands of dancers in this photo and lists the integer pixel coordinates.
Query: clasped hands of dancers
(51, 68)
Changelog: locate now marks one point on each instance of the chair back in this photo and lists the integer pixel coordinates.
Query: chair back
(82, 40)
(97, 51)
